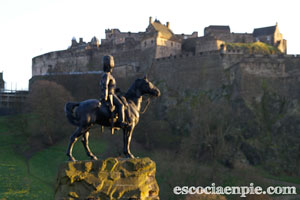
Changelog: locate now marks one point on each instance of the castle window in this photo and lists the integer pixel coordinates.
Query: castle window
(171, 44)
(145, 43)
(151, 41)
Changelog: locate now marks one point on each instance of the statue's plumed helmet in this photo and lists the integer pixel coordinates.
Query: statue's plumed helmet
(108, 63)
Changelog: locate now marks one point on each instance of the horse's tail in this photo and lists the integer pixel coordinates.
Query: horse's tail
(69, 111)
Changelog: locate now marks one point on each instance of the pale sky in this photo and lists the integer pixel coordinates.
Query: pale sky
(33, 27)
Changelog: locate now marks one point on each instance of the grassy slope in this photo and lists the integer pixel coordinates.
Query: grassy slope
(253, 48)
(34, 178)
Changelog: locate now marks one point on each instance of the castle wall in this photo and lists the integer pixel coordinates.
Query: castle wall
(277, 73)
(188, 71)
(90, 60)
(264, 68)
(208, 44)
(116, 37)
(235, 37)
(67, 61)
(268, 39)
(132, 59)
(248, 75)
(213, 43)
(148, 43)
(130, 54)
(165, 48)
(209, 71)
(240, 38)
(216, 30)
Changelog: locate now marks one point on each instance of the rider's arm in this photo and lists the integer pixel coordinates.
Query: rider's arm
(108, 93)
(111, 100)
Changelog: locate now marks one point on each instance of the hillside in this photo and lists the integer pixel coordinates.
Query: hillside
(218, 118)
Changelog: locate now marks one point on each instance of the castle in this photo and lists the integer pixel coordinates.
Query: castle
(135, 52)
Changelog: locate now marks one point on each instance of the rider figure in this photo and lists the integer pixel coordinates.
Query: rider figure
(108, 86)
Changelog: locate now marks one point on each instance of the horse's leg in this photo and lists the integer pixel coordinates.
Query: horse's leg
(129, 141)
(73, 139)
(85, 142)
(127, 133)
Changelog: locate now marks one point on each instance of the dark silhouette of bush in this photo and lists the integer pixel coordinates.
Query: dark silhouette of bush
(45, 105)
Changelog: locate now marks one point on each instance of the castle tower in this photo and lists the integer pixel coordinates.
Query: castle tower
(73, 42)
(95, 41)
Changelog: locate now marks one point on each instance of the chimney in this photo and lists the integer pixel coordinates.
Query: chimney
(80, 40)
(150, 20)
(168, 24)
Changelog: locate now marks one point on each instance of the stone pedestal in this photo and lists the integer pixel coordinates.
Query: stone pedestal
(110, 179)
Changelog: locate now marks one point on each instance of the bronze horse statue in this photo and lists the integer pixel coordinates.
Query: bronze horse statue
(87, 113)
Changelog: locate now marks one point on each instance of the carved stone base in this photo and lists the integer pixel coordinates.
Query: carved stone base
(110, 179)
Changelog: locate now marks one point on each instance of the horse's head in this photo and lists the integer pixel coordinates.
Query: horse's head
(146, 87)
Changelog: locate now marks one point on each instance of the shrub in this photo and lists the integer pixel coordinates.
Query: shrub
(46, 102)
(253, 48)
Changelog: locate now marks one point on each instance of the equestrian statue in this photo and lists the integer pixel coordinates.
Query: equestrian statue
(112, 110)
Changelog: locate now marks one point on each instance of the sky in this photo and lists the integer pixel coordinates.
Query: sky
(33, 27)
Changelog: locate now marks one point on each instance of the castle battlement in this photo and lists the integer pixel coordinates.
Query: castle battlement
(228, 54)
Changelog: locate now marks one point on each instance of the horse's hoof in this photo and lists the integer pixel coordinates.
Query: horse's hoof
(94, 158)
(129, 156)
(72, 160)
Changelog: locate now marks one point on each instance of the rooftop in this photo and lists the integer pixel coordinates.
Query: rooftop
(164, 30)
(264, 31)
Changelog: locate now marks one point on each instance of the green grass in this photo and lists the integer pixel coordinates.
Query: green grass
(14, 183)
(34, 178)
(284, 178)
(45, 163)
(253, 48)
(4, 128)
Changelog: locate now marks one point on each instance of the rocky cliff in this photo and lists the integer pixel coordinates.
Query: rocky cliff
(113, 178)
(232, 109)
